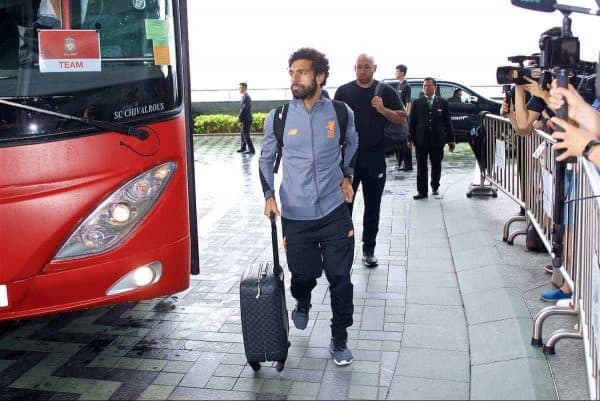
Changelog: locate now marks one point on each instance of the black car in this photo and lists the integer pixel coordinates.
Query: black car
(464, 112)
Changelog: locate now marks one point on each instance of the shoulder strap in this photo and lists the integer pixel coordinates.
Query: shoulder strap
(342, 115)
(379, 89)
(278, 127)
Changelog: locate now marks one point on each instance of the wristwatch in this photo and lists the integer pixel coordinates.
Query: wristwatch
(588, 148)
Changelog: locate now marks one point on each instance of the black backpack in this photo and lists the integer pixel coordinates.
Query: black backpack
(393, 134)
(279, 125)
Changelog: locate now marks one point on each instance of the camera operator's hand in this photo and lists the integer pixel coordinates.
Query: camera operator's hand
(505, 109)
(579, 111)
(573, 139)
(535, 89)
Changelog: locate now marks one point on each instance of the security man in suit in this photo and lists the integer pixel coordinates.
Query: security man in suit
(430, 129)
(245, 117)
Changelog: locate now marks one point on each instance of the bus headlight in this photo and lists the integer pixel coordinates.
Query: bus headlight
(117, 215)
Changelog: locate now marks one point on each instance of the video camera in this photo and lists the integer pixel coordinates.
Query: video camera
(559, 53)
(511, 74)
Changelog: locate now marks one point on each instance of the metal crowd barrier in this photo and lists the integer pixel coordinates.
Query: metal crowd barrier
(538, 163)
(581, 270)
(525, 170)
(504, 152)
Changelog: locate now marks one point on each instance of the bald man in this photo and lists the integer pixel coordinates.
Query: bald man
(372, 111)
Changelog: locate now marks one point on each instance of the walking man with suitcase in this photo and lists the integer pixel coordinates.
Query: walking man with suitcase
(316, 140)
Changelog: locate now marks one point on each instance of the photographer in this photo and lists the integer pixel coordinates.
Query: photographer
(530, 114)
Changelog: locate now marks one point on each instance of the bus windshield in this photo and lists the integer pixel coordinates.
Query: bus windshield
(108, 60)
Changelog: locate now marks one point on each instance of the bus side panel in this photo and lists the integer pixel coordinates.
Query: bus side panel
(53, 187)
(86, 287)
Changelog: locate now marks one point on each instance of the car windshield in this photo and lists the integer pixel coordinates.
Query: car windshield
(110, 60)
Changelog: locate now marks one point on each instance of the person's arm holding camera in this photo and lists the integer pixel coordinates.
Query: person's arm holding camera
(535, 90)
(523, 118)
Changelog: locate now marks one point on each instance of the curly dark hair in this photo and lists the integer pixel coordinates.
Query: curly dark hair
(320, 63)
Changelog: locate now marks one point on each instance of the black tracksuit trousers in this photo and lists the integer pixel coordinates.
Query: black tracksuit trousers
(370, 171)
(324, 244)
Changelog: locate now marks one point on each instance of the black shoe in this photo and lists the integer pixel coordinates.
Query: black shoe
(435, 192)
(369, 259)
(420, 196)
(407, 169)
(300, 316)
(249, 152)
(240, 150)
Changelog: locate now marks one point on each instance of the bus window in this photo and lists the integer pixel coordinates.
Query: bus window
(137, 77)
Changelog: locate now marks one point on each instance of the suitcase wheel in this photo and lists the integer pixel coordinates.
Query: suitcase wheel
(280, 365)
(255, 366)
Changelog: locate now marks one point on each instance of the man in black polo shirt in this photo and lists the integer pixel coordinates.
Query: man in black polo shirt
(371, 114)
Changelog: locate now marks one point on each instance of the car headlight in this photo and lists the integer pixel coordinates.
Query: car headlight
(117, 215)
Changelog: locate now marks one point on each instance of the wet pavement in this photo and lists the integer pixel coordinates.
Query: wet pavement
(189, 346)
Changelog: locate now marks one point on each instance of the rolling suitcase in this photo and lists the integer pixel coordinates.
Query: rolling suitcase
(265, 324)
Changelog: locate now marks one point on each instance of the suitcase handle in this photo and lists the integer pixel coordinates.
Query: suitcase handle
(276, 266)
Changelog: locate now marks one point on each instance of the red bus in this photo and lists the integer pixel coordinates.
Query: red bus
(97, 199)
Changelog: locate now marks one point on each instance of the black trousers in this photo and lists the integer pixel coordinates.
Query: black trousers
(323, 244)
(404, 153)
(435, 155)
(370, 171)
(245, 137)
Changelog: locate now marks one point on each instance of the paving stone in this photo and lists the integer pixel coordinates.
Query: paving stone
(484, 279)
(312, 363)
(469, 259)
(417, 279)
(452, 338)
(221, 383)
(156, 392)
(246, 384)
(522, 379)
(276, 386)
(335, 385)
(364, 379)
(356, 392)
(228, 370)
(304, 389)
(435, 315)
(427, 264)
(493, 305)
(501, 341)
(470, 240)
(434, 364)
(434, 296)
(168, 379)
(178, 366)
(201, 372)
(414, 388)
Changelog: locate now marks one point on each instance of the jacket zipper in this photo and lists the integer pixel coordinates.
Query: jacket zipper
(312, 140)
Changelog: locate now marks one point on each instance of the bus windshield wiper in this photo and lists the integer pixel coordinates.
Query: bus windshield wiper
(120, 128)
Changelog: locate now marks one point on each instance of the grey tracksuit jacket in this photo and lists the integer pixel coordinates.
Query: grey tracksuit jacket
(313, 166)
